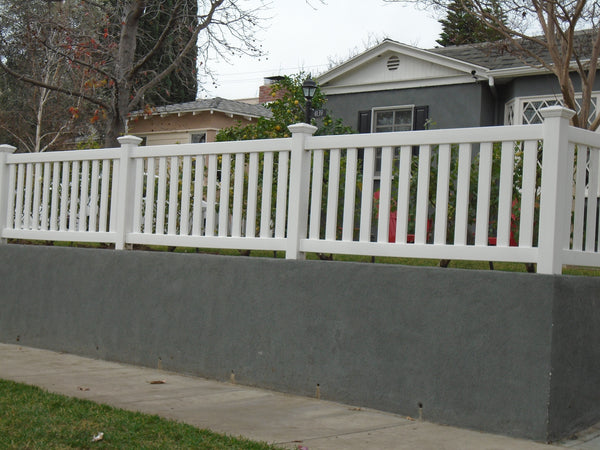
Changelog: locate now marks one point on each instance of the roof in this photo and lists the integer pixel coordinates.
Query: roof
(217, 104)
(439, 66)
(498, 55)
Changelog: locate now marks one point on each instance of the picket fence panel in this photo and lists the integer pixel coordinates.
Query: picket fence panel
(474, 193)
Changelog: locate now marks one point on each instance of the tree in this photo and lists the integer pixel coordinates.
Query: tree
(562, 36)
(104, 43)
(35, 118)
(287, 110)
(181, 85)
(461, 27)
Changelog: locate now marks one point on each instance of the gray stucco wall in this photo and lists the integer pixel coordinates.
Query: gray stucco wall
(449, 106)
(485, 350)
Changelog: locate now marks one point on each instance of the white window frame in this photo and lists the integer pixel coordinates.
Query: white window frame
(379, 109)
(515, 108)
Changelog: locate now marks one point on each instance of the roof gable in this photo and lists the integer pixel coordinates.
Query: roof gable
(392, 65)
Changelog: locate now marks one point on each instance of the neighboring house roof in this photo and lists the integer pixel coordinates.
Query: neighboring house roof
(218, 104)
(371, 70)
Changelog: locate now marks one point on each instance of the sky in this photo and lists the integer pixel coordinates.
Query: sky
(304, 35)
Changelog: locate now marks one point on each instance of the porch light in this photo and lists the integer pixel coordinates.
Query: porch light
(309, 88)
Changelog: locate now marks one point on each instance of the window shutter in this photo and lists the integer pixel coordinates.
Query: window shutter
(364, 121)
(420, 117)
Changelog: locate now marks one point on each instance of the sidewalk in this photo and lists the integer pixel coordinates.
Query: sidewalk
(286, 420)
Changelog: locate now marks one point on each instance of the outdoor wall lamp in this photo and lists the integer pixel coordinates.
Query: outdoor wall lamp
(309, 88)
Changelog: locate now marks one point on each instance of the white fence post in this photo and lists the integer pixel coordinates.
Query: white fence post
(556, 190)
(5, 190)
(299, 190)
(125, 190)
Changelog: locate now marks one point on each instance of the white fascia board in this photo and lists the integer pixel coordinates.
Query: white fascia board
(196, 112)
(403, 49)
(526, 70)
(357, 88)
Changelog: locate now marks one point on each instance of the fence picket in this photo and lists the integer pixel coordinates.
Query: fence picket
(173, 194)
(484, 190)
(462, 194)
(366, 203)
(441, 198)
(83, 202)
(350, 194)
(266, 198)
(197, 208)
(528, 189)
(505, 197)
(333, 185)
(211, 196)
(252, 198)
(13, 192)
(238, 195)
(404, 178)
(421, 215)
(385, 194)
(45, 212)
(94, 196)
(149, 201)
(282, 192)
(314, 229)
(28, 196)
(186, 183)
(579, 207)
(37, 189)
(161, 199)
(592, 202)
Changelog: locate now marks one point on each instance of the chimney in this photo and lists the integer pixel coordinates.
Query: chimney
(265, 92)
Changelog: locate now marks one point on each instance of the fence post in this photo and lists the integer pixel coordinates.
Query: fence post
(125, 189)
(298, 196)
(555, 190)
(5, 189)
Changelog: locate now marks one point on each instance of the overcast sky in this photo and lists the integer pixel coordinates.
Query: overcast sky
(303, 35)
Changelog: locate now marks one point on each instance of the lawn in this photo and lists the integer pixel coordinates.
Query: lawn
(31, 418)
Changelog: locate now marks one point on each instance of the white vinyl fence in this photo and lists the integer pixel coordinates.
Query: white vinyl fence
(516, 193)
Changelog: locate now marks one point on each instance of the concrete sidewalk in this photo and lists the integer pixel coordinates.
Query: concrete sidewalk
(286, 420)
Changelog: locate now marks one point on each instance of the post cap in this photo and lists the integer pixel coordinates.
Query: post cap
(131, 140)
(4, 148)
(303, 128)
(556, 111)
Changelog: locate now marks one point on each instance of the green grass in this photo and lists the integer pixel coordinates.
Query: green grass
(31, 418)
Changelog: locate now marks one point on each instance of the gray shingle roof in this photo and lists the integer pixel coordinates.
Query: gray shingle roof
(498, 55)
(213, 104)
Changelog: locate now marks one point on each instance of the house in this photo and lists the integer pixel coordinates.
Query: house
(398, 87)
(192, 122)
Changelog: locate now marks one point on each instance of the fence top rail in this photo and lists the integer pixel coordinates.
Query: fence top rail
(584, 137)
(69, 155)
(428, 137)
(213, 148)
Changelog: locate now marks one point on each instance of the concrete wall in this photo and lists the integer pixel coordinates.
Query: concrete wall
(509, 353)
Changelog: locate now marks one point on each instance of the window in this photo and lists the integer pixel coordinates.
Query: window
(392, 119)
(386, 120)
(198, 138)
(526, 110)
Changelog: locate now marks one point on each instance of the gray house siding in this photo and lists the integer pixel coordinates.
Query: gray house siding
(454, 106)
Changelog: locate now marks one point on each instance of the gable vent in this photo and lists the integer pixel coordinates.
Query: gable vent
(393, 62)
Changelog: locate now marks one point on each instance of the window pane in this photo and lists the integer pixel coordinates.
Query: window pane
(385, 118)
(403, 117)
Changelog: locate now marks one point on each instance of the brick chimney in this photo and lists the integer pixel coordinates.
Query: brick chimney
(265, 92)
